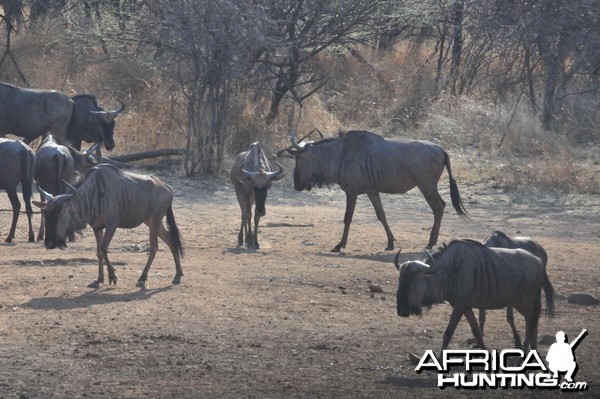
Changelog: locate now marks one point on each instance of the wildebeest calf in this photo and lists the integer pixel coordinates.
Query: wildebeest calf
(107, 199)
(17, 162)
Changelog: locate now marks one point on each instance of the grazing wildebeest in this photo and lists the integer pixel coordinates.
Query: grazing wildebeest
(469, 275)
(56, 165)
(30, 113)
(252, 175)
(500, 240)
(17, 162)
(364, 163)
(107, 199)
(91, 123)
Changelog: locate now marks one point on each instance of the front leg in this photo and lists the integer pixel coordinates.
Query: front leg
(454, 319)
(102, 242)
(99, 234)
(475, 327)
(350, 205)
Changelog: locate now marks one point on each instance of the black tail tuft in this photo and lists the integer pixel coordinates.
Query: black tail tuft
(173, 230)
(549, 291)
(457, 202)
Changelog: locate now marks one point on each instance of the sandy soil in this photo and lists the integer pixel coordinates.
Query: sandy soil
(289, 320)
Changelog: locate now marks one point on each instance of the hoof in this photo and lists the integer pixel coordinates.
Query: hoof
(94, 284)
(141, 284)
(389, 247)
(337, 248)
(112, 280)
(176, 281)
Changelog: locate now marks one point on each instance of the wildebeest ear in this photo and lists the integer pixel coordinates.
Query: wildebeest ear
(39, 204)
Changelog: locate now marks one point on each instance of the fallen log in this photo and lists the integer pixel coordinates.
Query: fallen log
(122, 160)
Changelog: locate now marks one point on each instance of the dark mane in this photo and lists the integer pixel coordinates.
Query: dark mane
(438, 253)
(90, 97)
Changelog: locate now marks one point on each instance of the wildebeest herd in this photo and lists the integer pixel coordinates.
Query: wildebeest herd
(77, 191)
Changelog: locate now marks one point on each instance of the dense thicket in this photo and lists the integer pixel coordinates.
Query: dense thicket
(544, 53)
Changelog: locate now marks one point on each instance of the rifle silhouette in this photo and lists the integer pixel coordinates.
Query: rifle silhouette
(576, 340)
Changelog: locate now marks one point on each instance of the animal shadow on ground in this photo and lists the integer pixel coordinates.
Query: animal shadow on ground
(385, 257)
(96, 297)
(408, 382)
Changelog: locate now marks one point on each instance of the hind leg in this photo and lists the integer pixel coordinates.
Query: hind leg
(164, 235)
(437, 205)
(376, 201)
(16, 209)
(29, 212)
(510, 318)
(154, 229)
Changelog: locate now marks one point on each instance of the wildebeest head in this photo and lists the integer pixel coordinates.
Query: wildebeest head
(261, 182)
(57, 219)
(414, 287)
(308, 172)
(497, 239)
(106, 124)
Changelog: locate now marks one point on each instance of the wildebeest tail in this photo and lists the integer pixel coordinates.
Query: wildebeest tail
(549, 291)
(454, 194)
(173, 230)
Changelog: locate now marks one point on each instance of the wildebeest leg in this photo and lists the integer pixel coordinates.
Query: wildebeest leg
(481, 319)
(454, 319)
(154, 227)
(254, 243)
(350, 205)
(437, 205)
(102, 242)
(475, 328)
(164, 235)
(40, 236)
(248, 228)
(16, 208)
(510, 318)
(376, 201)
(29, 213)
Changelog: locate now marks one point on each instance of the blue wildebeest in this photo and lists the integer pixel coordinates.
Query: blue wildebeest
(469, 275)
(364, 163)
(500, 240)
(92, 124)
(30, 113)
(107, 199)
(251, 175)
(56, 165)
(17, 162)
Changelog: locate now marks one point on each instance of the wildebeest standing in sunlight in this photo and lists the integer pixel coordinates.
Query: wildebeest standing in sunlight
(17, 162)
(469, 275)
(252, 175)
(364, 163)
(500, 240)
(107, 199)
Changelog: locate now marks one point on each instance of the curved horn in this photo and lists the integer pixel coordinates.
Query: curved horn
(97, 113)
(118, 111)
(278, 173)
(396, 262)
(295, 144)
(248, 174)
(73, 189)
(431, 258)
(46, 196)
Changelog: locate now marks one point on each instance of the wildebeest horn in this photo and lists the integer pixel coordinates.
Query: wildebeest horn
(431, 258)
(73, 189)
(295, 143)
(277, 173)
(118, 111)
(46, 196)
(248, 174)
(396, 262)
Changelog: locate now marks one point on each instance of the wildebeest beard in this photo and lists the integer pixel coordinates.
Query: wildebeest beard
(76, 225)
(317, 180)
(405, 307)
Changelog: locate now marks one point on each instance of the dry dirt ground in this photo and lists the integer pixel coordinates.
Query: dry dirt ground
(289, 320)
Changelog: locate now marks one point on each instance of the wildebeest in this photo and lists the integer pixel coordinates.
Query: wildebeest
(17, 162)
(56, 165)
(91, 123)
(252, 175)
(107, 199)
(361, 162)
(469, 275)
(500, 240)
(30, 113)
